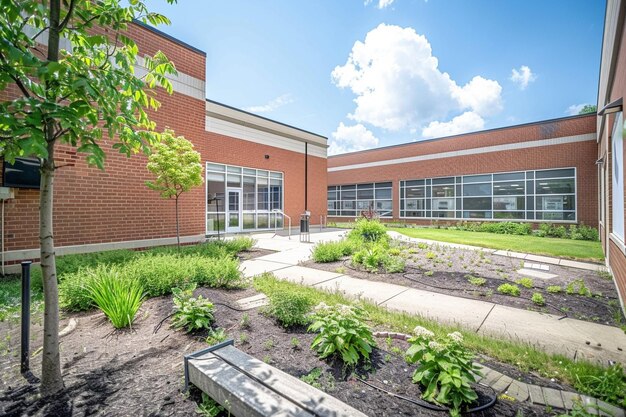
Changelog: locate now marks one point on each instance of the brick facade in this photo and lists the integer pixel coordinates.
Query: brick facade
(581, 155)
(93, 206)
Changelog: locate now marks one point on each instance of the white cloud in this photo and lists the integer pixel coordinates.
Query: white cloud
(381, 3)
(271, 105)
(467, 122)
(575, 109)
(398, 84)
(350, 139)
(523, 77)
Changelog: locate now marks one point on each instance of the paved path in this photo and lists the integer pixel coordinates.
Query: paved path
(574, 338)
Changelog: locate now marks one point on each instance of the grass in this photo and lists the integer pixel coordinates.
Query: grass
(10, 298)
(562, 248)
(524, 356)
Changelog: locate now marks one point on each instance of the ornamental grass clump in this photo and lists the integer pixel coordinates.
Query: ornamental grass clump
(341, 332)
(118, 298)
(445, 371)
(191, 313)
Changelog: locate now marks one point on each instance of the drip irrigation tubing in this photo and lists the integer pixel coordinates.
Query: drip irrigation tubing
(429, 406)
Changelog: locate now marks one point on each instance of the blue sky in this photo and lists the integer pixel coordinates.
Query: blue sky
(393, 71)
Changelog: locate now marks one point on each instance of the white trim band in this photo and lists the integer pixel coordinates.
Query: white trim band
(475, 151)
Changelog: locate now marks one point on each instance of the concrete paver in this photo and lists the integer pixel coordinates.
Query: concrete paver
(305, 276)
(502, 384)
(542, 259)
(582, 265)
(536, 394)
(254, 267)
(553, 397)
(536, 274)
(363, 289)
(291, 256)
(590, 404)
(518, 390)
(569, 398)
(445, 308)
(609, 410)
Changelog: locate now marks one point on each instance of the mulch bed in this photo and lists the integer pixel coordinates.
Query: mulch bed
(448, 272)
(139, 372)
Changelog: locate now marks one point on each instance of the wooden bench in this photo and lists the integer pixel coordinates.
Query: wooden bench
(248, 387)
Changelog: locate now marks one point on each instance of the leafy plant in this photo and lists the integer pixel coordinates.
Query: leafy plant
(578, 287)
(209, 407)
(445, 371)
(189, 312)
(368, 231)
(342, 332)
(244, 322)
(429, 273)
(509, 289)
(554, 289)
(332, 251)
(117, 297)
(216, 336)
(422, 245)
(526, 282)
(393, 264)
(290, 308)
(479, 282)
(538, 299)
(431, 255)
(610, 386)
(295, 343)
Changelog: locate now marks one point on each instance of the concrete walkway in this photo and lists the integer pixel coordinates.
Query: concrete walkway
(573, 338)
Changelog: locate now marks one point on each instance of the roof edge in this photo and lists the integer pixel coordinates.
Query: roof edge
(169, 37)
(576, 116)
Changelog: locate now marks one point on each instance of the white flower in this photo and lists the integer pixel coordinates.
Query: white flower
(434, 346)
(344, 309)
(420, 331)
(456, 337)
(321, 306)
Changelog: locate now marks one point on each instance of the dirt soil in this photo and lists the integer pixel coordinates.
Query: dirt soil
(446, 270)
(139, 372)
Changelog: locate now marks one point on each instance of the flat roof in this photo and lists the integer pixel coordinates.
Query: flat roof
(495, 129)
(170, 37)
(266, 124)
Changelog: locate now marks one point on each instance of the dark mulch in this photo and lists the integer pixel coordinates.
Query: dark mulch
(140, 373)
(449, 270)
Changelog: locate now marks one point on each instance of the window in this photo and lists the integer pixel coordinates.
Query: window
(261, 192)
(352, 199)
(548, 195)
(617, 168)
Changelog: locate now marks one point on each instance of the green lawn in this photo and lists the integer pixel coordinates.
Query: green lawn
(564, 248)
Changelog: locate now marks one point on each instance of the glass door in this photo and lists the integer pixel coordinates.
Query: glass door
(233, 211)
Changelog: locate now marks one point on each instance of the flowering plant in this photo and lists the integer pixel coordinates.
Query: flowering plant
(341, 331)
(445, 369)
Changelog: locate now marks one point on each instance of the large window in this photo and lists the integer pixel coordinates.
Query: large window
(261, 193)
(544, 195)
(617, 168)
(351, 200)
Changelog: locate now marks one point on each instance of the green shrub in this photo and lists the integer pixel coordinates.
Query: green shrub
(509, 289)
(342, 331)
(431, 255)
(583, 232)
(289, 307)
(118, 298)
(554, 289)
(503, 228)
(332, 251)
(526, 282)
(190, 312)
(578, 287)
(422, 245)
(394, 264)
(479, 282)
(538, 299)
(372, 256)
(445, 371)
(368, 231)
(550, 230)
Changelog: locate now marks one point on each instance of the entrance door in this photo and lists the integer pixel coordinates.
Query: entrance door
(233, 211)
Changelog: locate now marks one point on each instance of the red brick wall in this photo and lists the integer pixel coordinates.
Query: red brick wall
(94, 206)
(581, 155)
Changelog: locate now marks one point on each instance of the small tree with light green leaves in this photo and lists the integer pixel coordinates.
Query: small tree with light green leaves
(177, 168)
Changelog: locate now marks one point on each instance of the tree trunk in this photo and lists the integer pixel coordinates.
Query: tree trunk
(51, 378)
(177, 225)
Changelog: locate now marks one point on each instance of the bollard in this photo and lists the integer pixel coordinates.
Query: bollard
(25, 345)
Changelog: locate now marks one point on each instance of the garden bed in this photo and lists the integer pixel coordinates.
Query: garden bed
(121, 372)
(454, 271)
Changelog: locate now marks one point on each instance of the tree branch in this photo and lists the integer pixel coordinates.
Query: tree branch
(39, 33)
(67, 18)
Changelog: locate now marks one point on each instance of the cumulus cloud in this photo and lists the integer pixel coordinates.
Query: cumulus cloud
(381, 3)
(271, 105)
(398, 84)
(350, 139)
(467, 122)
(523, 77)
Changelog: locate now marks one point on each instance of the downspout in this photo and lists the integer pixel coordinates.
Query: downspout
(306, 176)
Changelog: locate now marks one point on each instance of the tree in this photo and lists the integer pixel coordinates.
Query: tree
(177, 168)
(588, 108)
(72, 97)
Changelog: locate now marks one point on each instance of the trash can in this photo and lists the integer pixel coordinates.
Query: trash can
(305, 219)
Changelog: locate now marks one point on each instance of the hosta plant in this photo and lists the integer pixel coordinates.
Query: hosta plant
(341, 332)
(190, 312)
(445, 371)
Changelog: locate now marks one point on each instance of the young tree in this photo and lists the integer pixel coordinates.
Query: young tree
(177, 168)
(73, 97)
(588, 108)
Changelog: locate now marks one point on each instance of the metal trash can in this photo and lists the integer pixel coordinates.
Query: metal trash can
(305, 223)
